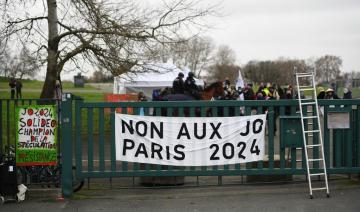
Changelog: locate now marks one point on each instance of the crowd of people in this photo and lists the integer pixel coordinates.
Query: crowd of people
(268, 91)
(275, 92)
(265, 91)
(331, 94)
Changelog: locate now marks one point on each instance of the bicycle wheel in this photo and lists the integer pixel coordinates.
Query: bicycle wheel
(77, 184)
(48, 176)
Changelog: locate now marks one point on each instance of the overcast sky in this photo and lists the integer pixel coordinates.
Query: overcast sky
(269, 29)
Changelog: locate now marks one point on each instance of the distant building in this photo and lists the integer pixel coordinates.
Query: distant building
(79, 81)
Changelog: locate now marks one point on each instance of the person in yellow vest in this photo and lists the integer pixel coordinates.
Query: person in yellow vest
(266, 89)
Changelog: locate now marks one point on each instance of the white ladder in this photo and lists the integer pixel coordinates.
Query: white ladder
(309, 133)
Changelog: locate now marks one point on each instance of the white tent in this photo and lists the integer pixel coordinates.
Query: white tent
(156, 76)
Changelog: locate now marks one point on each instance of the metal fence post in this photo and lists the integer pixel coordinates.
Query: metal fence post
(66, 146)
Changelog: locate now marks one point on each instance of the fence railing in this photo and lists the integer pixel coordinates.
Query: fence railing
(89, 132)
(88, 137)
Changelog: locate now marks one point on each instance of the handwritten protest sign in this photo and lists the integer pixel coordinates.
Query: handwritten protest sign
(36, 135)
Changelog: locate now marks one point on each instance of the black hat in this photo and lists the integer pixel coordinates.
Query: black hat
(191, 74)
(181, 74)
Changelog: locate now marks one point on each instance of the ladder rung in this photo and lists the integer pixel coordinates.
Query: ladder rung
(317, 189)
(317, 174)
(306, 89)
(311, 131)
(298, 160)
(304, 72)
(310, 123)
(309, 117)
(308, 103)
(313, 145)
(304, 75)
(311, 160)
(305, 86)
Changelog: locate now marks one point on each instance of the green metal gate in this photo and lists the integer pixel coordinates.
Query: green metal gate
(88, 139)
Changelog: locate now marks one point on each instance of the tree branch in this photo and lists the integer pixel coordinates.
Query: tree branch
(27, 19)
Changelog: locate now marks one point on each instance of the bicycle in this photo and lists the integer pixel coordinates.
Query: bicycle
(44, 175)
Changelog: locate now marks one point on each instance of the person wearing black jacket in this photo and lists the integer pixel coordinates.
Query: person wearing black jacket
(321, 94)
(347, 94)
(18, 89)
(178, 84)
(190, 86)
(12, 85)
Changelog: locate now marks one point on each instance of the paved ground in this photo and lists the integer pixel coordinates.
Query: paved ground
(265, 197)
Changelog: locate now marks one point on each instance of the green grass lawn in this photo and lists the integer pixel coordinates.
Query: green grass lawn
(35, 84)
(89, 97)
(32, 88)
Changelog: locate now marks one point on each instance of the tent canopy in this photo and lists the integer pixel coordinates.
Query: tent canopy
(155, 76)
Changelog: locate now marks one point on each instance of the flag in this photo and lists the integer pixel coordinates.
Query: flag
(240, 84)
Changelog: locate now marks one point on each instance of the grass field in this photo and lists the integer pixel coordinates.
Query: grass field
(35, 84)
(32, 88)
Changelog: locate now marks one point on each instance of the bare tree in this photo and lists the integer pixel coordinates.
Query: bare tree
(225, 55)
(278, 71)
(23, 64)
(194, 53)
(4, 60)
(222, 71)
(353, 75)
(111, 34)
(328, 67)
(223, 65)
(200, 50)
(100, 76)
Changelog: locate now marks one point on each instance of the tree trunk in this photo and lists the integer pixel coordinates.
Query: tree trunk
(52, 70)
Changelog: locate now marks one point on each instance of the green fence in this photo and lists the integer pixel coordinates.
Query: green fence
(88, 138)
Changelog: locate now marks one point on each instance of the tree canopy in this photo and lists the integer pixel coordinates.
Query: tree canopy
(113, 35)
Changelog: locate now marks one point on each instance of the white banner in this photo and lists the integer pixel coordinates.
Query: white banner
(189, 141)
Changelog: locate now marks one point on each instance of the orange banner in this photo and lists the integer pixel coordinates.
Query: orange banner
(121, 98)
